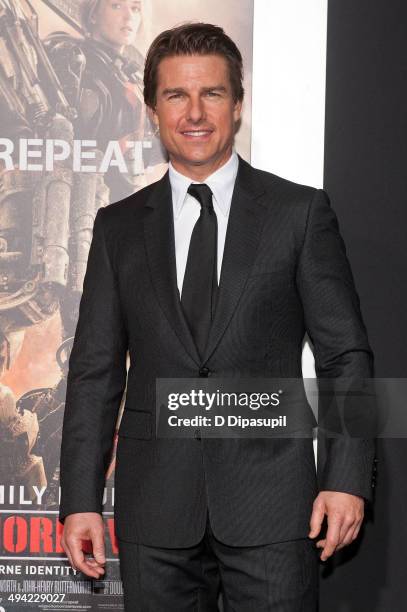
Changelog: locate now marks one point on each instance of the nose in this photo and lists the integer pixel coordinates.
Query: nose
(127, 12)
(196, 109)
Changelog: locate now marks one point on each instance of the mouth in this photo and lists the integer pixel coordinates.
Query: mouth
(196, 133)
(127, 30)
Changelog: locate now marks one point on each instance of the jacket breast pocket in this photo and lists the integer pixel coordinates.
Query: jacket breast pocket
(136, 424)
(277, 268)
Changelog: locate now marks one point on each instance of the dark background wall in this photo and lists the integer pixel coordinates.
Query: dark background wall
(366, 178)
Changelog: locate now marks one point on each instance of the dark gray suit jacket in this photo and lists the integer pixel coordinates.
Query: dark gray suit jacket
(284, 273)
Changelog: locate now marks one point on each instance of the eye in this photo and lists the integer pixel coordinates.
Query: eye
(175, 96)
(212, 94)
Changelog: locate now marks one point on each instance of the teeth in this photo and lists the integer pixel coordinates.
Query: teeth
(196, 133)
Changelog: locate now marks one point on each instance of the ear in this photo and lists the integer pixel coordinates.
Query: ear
(237, 110)
(153, 116)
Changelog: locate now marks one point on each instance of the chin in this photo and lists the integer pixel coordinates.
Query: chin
(120, 40)
(199, 156)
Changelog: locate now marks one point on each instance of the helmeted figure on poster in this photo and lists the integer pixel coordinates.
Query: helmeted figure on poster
(101, 74)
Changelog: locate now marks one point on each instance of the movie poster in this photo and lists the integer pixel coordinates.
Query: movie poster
(74, 136)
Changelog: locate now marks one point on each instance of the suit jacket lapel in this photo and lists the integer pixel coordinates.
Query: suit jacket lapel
(242, 238)
(160, 248)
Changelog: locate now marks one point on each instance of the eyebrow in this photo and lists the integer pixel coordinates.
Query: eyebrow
(132, 3)
(172, 90)
(175, 90)
(220, 88)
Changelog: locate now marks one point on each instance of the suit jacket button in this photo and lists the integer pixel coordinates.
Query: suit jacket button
(204, 372)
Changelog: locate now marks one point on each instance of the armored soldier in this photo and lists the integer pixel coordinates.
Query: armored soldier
(105, 86)
(46, 220)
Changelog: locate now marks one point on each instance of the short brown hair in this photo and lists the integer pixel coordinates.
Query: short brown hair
(192, 39)
(87, 11)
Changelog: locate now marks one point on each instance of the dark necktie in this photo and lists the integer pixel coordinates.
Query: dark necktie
(199, 289)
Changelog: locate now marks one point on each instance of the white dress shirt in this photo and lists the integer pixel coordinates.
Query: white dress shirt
(187, 209)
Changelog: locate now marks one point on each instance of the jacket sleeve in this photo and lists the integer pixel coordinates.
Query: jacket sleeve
(343, 358)
(95, 383)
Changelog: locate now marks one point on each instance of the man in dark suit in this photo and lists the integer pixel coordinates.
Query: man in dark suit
(216, 270)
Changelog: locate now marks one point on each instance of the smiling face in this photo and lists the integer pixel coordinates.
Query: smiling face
(196, 113)
(116, 23)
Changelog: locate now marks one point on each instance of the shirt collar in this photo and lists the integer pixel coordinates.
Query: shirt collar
(221, 183)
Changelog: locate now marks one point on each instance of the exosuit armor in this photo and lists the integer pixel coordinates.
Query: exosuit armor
(107, 90)
(46, 222)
